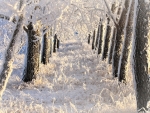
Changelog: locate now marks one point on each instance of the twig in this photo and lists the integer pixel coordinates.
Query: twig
(109, 11)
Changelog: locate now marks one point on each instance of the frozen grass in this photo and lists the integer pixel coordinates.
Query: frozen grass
(75, 81)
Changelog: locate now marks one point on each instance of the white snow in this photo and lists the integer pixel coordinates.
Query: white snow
(75, 81)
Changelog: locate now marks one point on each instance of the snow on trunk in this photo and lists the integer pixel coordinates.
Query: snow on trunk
(141, 55)
(41, 48)
(112, 43)
(51, 46)
(51, 42)
(119, 38)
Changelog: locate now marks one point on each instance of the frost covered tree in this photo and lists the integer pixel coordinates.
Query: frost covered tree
(108, 44)
(9, 56)
(46, 49)
(110, 55)
(107, 39)
(54, 45)
(97, 37)
(51, 42)
(126, 49)
(89, 36)
(93, 40)
(113, 37)
(101, 26)
(58, 43)
(119, 37)
(33, 54)
(141, 54)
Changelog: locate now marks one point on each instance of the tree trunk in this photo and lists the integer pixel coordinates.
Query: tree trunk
(93, 41)
(113, 36)
(58, 43)
(100, 38)
(51, 46)
(9, 57)
(51, 43)
(124, 59)
(110, 55)
(113, 40)
(107, 40)
(54, 46)
(89, 39)
(141, 58)
(32, 55)
(119, 38)
(97, 38)
(108, 35)
(46, 49)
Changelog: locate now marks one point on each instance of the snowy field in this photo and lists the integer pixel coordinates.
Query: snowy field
(75, 81)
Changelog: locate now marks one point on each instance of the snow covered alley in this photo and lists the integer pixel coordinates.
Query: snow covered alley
(75, 81)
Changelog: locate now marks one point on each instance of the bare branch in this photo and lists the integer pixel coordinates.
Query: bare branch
(111, 15)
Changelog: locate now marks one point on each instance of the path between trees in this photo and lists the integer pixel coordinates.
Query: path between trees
(75, 81)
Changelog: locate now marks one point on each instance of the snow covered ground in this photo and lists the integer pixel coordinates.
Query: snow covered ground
(75, 81)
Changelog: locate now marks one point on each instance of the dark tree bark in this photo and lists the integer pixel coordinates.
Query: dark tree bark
(100, 38)
(58, 43)
(112, 46)
(51, 43)
(124, 59)
(33, 54)
(97, 37)
(51, 46)
(93, 41)
(141, 55)
(89, 39)
(119, 38)
(107, 40)
(46, 49)
(54, 46)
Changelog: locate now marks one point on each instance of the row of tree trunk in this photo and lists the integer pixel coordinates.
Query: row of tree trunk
(34, 48)
(131, 32)
(33, 53)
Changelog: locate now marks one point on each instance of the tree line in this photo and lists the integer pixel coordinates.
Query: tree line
(124, 41)
(124, 35)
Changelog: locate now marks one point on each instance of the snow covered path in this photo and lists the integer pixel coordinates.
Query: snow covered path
(75, 81)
